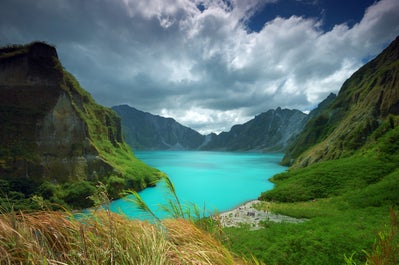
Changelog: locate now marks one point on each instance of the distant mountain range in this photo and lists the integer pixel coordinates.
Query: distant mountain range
(145, 131)
(268, 131)
(272, 130)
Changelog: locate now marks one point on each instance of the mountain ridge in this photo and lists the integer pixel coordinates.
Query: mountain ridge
(269, 131)
(145, 131)
(53, 133)
(364, 103)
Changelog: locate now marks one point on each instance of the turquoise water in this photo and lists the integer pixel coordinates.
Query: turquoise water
(211, 180)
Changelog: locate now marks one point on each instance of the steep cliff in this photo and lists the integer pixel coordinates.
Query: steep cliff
(52, 131)
(311, 131)
(269, 131)
(366, 108)
(145, 131)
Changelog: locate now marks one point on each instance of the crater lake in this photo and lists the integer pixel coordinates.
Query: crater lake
(213, 181)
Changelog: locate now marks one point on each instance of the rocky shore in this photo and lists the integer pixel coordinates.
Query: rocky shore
(247, 214)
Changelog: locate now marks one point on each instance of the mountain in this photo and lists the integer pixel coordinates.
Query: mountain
(297, 143)
(364, 110)
(144, 131)
(268, 131)
(344, 167)
(55, 141)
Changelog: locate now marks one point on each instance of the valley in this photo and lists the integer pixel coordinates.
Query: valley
(62, 151)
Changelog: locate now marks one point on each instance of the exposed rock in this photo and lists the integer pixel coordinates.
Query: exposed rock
(269, 131)
(51, 129)
(152, 132)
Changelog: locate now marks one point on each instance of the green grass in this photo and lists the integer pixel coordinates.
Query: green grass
(106, 136)
(368, 166)
(322, 240)
(347, 203)
(332, 232)
(329, 178)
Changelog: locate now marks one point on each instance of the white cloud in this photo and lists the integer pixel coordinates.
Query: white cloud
(201, 66)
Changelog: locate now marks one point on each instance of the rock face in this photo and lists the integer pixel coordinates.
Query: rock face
(365, 108)
(144, 131)
(303, 140)
(50, 128)
(269, 131)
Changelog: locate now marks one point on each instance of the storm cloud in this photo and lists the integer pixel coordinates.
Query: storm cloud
(197, 60)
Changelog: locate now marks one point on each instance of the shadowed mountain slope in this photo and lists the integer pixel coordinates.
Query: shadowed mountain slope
(268, 131)
(53, 134)
(145, 131)
(367, 101)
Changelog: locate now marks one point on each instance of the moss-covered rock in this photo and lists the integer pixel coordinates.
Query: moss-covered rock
(52, 130)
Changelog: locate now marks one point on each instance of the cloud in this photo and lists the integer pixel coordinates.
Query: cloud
(196, 60)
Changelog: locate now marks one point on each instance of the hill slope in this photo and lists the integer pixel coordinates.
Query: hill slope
(345, 179)
(368, 99)
(54, 139)
(269, 131)
(145, 131)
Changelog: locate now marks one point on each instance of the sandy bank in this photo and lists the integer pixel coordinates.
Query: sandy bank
(246, 214)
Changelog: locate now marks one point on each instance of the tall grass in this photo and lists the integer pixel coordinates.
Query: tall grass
(385, 249)
(103, 237)
(49, 237)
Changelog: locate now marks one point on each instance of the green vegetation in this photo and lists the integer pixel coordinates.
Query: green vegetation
(326, 179)
(102, 237)
(54, 170)
(344, 180)
(347, 188)
(105, 134)
(367, 99)
(324, 239)
(347, 202)
(105, 238)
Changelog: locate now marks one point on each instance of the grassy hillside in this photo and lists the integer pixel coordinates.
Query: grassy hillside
(347, 202)
(367, 166)
(345, 180)
(365, 101)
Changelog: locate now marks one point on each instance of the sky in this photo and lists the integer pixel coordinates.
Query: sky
(209, 64)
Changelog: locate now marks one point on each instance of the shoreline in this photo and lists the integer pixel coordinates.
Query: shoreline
(245, 214)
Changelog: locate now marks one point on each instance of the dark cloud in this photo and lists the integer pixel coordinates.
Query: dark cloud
(201, 66)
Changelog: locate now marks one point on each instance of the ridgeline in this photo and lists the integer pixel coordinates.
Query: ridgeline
(56, 142)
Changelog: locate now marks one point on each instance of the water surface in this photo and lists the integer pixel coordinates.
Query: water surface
(211, 180)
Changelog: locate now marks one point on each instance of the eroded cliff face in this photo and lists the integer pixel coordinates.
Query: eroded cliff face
(63, 145)
(42, 134)
(269, 131)
(51, 129)
(152, 132)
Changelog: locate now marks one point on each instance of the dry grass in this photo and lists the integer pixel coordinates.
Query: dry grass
(105, 238)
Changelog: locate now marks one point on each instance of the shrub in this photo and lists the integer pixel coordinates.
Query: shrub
(77, 194)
